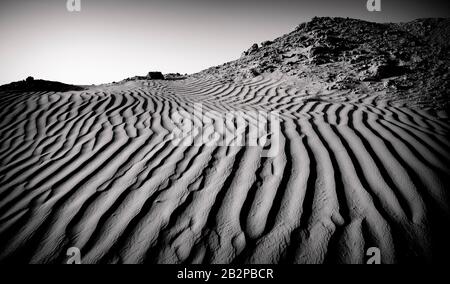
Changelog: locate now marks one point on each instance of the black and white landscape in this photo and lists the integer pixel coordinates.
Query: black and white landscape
(361, 156)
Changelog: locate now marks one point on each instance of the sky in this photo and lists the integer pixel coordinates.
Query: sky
(109, 40)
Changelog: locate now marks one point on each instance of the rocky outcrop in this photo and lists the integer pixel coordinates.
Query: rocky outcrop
(32, 85)
(409, 60)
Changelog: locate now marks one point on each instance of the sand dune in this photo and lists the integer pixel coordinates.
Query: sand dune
(96, 170)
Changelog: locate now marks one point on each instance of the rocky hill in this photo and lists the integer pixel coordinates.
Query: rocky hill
(409, 61)
(32, 85)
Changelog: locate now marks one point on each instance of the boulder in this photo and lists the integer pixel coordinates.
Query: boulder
(267, 43)
(155, 75)
(252, 50)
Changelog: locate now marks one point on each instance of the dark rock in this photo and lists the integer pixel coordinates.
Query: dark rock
(252, 50)
(255, 72)
(155, 75)
(266, 43)
(319, 51)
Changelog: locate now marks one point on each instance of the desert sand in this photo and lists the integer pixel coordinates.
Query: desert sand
(96, 170)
